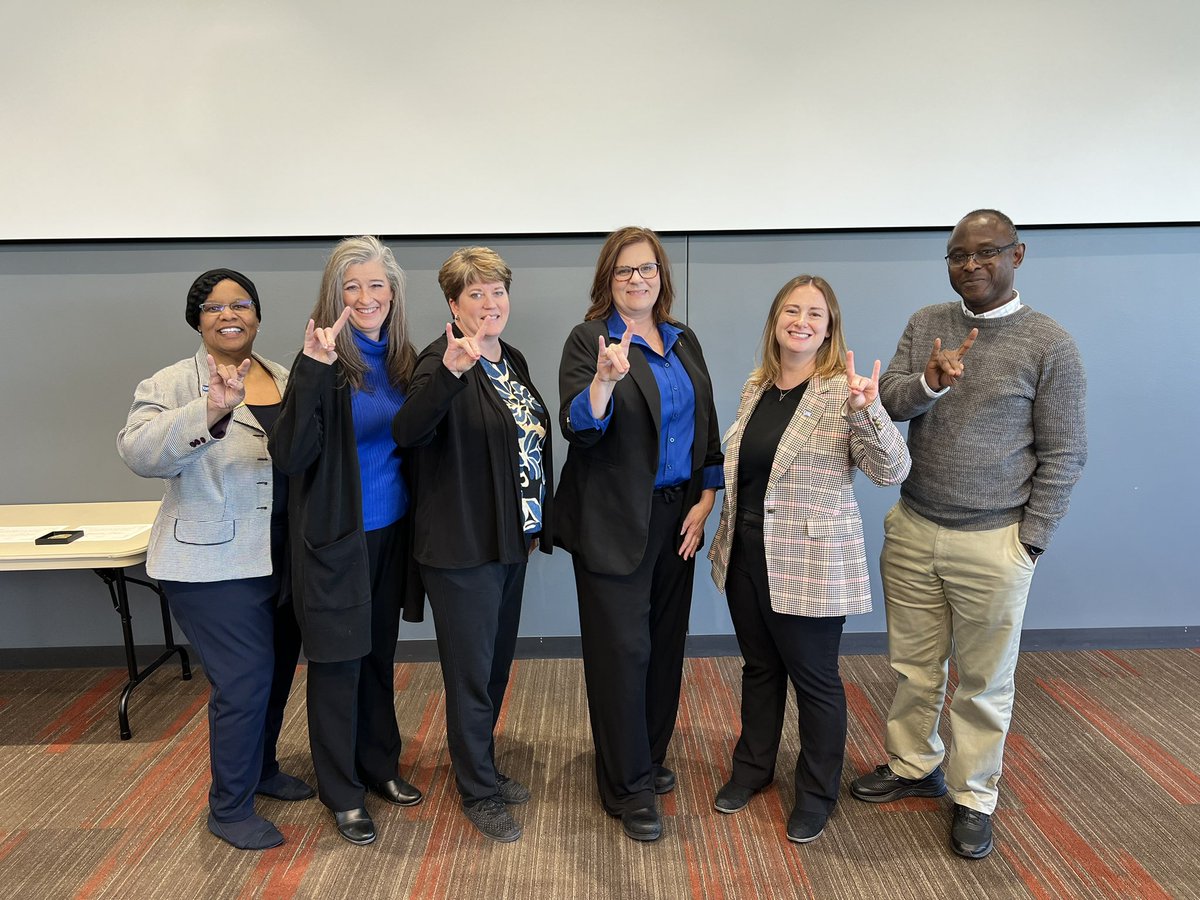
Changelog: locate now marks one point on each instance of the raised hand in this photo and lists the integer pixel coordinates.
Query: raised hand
(612, 363)
(227, 384)
(461, 352)
(863, 390)
(320, 343)
(945, 367)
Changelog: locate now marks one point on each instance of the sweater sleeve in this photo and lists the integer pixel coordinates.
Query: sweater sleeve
(900, 387)
(1059, 441)
(430, 394)
(299, 432)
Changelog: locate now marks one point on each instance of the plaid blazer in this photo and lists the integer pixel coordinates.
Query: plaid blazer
(812, 531)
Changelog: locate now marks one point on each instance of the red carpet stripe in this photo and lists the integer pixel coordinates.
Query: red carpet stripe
(419, 757)
(1122, 664)
(1064, 840)
(83, 713)
(280, 871)
(152, 748)
(9, 841)
(1164, 769)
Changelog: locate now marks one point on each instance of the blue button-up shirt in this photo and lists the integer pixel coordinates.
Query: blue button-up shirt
(677, 405)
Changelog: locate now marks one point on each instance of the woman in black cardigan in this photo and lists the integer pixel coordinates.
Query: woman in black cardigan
(483, 504)
(640, 479)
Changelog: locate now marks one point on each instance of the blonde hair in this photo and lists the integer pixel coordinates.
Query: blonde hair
(831, 356)
(401, 357)
(602, 298)
(472, 265)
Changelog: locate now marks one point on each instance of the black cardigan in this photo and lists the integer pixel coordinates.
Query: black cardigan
(464, 445)
(313, 443)
(607, 482)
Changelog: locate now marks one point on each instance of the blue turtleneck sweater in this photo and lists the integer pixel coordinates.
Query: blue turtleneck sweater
(384, 494)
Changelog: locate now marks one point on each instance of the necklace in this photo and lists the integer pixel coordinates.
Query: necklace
(783, 393)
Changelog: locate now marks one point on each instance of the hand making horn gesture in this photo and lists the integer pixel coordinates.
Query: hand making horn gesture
(320, 343)
(612, 363)
(227, 384)
(945, 367)
(863, 390)
(461, 353)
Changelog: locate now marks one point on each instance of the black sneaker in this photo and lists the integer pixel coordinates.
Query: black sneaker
(971, 833)
(883, 785)
(511, 791)
(805, 826)
(491, 817)
(732, 797)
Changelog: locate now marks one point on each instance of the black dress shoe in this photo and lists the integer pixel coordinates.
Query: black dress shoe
(398, 791)
(971, 833)
(664, 780)
(642, 824)
(282, 786)
(883, 785)
(355, 825)
(805, 826)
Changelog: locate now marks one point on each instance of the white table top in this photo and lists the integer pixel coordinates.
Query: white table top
(25, 555)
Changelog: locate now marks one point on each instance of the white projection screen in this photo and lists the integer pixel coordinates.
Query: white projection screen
(264, 118)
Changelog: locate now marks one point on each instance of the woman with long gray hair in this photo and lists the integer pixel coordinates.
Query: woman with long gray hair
(350, 543)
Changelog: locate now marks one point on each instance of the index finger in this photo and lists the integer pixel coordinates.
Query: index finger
(341, 322)
(850, 367)
(966, 345)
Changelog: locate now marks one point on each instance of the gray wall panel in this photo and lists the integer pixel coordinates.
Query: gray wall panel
(85, 322)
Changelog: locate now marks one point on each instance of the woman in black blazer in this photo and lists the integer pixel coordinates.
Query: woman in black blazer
(640, 479)
(483, 504)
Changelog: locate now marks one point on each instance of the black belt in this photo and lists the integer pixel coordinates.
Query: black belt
(672, 493)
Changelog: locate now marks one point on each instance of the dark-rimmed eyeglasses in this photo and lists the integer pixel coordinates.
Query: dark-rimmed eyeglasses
(958, 259)
(215, 309)
(646, 270)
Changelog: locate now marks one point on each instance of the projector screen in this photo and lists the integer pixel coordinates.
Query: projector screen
(194, 119)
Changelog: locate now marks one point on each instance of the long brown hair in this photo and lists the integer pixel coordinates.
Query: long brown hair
(831, 357)
(401, 357)
(602, 299)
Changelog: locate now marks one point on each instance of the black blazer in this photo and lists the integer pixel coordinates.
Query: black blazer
(467, 491)
(607, 483)
(328, 572)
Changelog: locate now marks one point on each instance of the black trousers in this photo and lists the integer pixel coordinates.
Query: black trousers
(776, 648)
(352, 726)
(248, 645)
(476, 613)
(633, 629)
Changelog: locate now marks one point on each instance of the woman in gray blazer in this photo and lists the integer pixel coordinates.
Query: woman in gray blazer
(217, 544)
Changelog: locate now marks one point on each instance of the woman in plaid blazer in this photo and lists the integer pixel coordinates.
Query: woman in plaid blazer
(789, 551)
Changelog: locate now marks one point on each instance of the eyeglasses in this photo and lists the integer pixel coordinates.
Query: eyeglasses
(215, 309)
(646, 270)
(959, 259)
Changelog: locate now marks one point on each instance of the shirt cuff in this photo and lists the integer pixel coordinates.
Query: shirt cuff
(580, 418)
(930, 392)
(713, 477)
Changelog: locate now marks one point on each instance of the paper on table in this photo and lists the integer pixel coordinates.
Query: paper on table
(25, 534)
(111, 532)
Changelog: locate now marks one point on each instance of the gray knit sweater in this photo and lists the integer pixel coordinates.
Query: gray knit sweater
(1008, 442)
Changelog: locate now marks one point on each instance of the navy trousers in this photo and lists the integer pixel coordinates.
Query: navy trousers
(476, 612)
(248, 646)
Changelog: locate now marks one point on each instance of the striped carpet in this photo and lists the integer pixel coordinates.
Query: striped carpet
(1100, 798)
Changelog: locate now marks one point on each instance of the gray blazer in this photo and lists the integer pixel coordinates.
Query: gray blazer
(215, 520)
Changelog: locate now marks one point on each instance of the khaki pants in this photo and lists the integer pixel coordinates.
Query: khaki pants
(962, 592)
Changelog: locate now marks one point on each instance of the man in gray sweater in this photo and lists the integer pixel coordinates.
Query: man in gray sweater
(998, 440)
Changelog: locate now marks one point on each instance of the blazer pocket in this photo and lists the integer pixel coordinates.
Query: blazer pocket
(190, 532)
(336, 574)
(834, 527)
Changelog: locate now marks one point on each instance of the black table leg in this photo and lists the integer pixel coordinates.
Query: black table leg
(116, 580)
